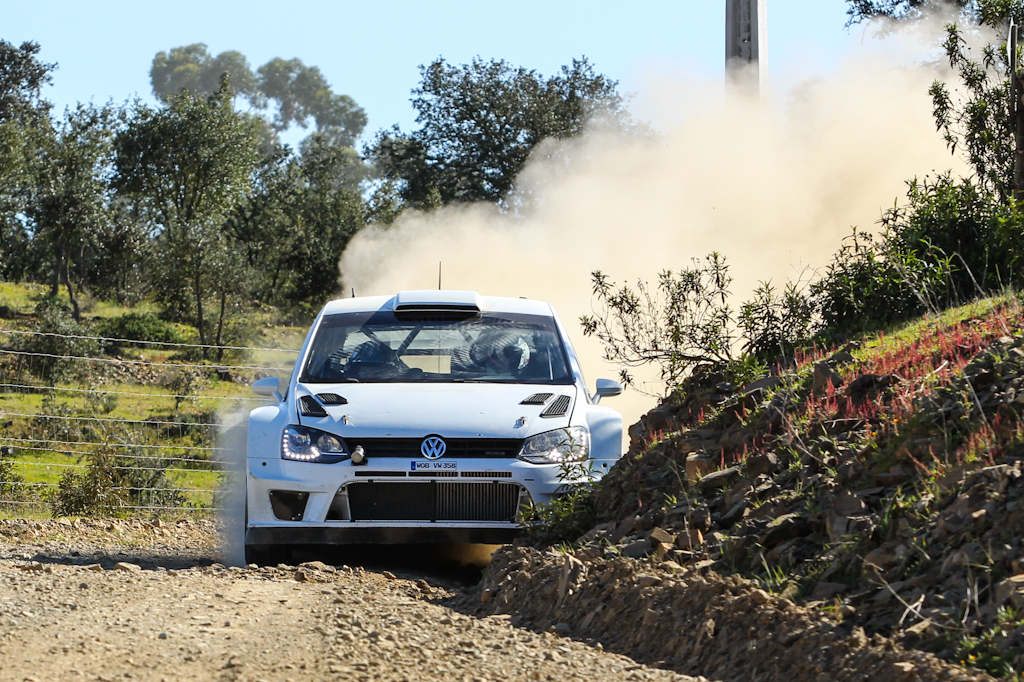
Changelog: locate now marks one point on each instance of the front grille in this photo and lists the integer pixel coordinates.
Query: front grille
(433, 501)
(456, 447)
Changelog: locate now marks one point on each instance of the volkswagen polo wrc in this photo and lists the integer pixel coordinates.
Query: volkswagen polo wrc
(430, 416)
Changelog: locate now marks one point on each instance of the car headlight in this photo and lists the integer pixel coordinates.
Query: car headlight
(303, 444)
(554, 447)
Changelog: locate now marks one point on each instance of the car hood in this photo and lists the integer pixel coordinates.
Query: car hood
(470, 410)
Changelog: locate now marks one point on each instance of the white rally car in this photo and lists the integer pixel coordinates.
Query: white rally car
(430, 416)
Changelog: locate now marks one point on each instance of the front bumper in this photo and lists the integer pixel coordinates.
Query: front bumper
(317, 485)
(378, 535)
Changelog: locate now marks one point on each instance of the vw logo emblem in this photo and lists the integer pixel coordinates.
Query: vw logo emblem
(433, 447)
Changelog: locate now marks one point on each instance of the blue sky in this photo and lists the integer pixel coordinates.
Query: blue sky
(371, 51)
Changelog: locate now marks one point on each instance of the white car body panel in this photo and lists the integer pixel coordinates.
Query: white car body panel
(468, 411)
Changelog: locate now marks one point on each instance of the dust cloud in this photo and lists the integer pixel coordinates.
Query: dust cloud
(774, 186)
(231, 493)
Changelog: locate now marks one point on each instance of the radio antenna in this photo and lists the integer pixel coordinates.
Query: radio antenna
(439, 275)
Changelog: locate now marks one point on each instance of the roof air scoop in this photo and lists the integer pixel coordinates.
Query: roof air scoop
(558, 408)
(429, 301)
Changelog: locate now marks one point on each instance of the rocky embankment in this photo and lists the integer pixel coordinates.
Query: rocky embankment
(857, 515)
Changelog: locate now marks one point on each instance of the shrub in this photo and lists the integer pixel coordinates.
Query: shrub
(94, 492)
(12, 488)
(687, 322)
(139, 327)
(776, 325)
(57, 342)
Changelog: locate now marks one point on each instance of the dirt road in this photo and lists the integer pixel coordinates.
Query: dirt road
(134, 601)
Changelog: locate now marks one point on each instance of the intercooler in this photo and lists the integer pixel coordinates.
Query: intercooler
(427, 501)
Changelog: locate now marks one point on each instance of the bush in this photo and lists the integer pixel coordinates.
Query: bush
(12, 488)
(57, 342)
(776, 325)
(871, 284)
(94, 492)
(139, 327)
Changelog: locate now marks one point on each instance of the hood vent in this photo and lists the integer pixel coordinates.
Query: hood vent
(558, 408)
(309, 407)
(331, 399)
(537, 399)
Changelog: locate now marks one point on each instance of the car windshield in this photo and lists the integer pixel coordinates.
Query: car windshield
(384, 346)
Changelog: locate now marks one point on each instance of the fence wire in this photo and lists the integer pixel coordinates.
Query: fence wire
(89, 433)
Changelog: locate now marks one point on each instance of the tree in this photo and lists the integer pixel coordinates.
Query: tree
(864, 10)
(22, 110)
(68, 195)
(300, 92)
(193, 68)
(479, 122)
(186, 167)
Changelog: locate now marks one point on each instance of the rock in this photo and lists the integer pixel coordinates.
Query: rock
(670, 566)
(93, 567)
(33, 566)
(833, 427)
(824, 591)
(319, 566)
(760, 465)
(785, 527)
(572, 570)
(125, 566)
(848, 504)
(719, 479)
(660, 535)
(734, 514)
(760, 597)
(624, 529)
(662, 549)
(700, 463)
(637, 549)
(824, 375)
(690, 539)
(1010, 590)
(892, 478)
(563, 629)
(843, 357)
(768, 382)
(648, 580)
(879, 559)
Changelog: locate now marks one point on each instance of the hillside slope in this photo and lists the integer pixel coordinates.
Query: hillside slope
(866, 500)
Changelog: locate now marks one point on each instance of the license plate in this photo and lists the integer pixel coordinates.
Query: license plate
(433, 466)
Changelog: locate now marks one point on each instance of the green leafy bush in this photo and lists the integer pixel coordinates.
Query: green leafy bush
(59, 339)
(139, 327)
(93, 492)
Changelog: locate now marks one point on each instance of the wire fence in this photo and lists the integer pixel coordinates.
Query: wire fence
(100, 425)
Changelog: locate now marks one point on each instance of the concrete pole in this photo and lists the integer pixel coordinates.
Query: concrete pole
(746, 44)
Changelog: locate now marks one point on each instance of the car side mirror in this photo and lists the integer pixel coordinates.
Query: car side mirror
(606, 388)
(269, 387)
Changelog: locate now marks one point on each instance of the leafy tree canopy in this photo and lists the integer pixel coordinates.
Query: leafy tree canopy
(988, 12)
(299, 92)
(480, 121)
(22, 77)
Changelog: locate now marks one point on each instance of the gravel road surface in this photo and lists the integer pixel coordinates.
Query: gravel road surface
(132, 600)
